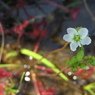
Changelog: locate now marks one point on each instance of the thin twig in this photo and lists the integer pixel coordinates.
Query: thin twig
(54, 51)
(2, 44)
(88, 10)
(57, 50)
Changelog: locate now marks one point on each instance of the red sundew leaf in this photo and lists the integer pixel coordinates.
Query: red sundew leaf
(84, 73)
(50, 91)
(19, 29)
(75, 13)
(4, 73)
(38, 33)
(43, 90)
(35, 33)
(40, 84)
(40, 88)
(42, 33)
(2, 85)
(24, 25)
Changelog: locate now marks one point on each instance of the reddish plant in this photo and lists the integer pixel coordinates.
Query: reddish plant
(44, 68)
(37, 44)
(85, 74)
(40, 88)
(50, 91)
(44, 90)
(38, 33)
(2, 85)
(19, 29)
(4, 73)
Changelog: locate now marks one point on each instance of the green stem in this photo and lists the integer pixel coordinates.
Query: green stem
(44, 61)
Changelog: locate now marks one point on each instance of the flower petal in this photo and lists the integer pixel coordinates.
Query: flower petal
(73, 46)
(83, 32)
(72, 31)
(86, 41)
(67, 38)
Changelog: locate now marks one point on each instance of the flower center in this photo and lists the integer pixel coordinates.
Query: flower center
(77, 37)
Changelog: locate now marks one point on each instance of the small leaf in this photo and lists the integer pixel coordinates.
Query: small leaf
(93, 63)
(76, 64)
(80, 54)
(73, 60)
(93, 58)
(84, 67)
(11, 54)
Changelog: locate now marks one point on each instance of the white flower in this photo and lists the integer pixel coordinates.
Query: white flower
(77, 38)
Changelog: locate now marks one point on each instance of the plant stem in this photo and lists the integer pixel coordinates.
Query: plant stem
(37, 44)
(57, 50)
(33, 75)
(2, 44)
